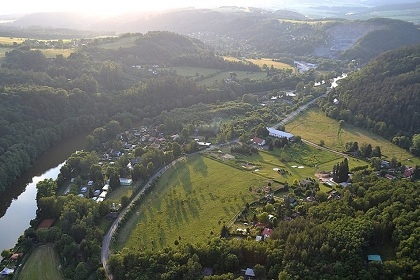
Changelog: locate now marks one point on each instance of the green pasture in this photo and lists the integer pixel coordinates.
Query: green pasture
(116, 194)
(299, 160)
(52, 53)
(125, 42)
(190, 203)
(314, 126)
(239, 76)
(42, 264)
(191, 72)
(208, 76)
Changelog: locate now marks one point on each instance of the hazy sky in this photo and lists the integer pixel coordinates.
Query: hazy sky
(119, 6)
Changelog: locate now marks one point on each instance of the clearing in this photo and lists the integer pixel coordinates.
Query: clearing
(42, 264)
(314, 126)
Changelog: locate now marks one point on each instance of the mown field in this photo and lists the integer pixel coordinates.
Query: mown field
(261, 61)
(43, 264)
(52, 53)
(11, 40)
(299, 161)
(208, 76)
(314, 126)
(190, 203)
(276, 64)
(126, 42)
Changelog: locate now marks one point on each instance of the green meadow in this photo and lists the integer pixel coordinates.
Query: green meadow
(43, 263)
(298, 160)
(52, 53)
(190, 203)
(314, 126)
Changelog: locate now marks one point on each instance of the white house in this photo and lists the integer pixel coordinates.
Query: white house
(279, 134)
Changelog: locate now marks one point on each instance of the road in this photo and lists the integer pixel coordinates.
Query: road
(296, 112)
(108, 237)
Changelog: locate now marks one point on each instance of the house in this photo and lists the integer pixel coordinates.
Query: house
(408, 172)
(279, 134)
(267, 232)
(204, 144)
(258, 141)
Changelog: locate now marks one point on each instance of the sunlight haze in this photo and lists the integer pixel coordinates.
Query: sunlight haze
(100, 7)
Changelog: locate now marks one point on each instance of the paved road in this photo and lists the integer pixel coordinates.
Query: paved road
(293, 114)
(108, 237)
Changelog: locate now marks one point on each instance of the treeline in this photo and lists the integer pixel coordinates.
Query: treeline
(328, 240)
(382, 97)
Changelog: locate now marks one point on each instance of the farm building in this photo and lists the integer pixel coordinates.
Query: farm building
(258, 141)
(279, 134)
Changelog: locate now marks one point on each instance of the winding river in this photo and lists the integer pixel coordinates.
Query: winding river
(18, 205)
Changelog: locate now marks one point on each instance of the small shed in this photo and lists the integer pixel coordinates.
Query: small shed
(249, 273)
(374, 258)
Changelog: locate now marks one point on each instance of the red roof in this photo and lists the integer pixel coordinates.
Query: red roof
(258, 141)
(267, 232)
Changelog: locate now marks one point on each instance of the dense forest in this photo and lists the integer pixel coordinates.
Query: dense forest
(383, 96)
(328, 240)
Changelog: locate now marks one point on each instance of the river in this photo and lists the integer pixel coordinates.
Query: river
(18, 204)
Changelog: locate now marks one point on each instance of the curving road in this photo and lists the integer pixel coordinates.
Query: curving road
(108, 237)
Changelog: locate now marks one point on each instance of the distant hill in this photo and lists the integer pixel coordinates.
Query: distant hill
(390, 34)
(385, 95)
(251, 31)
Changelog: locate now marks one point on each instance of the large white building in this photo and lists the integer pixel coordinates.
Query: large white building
(279, 134)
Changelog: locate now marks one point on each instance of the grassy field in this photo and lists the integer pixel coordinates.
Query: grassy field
(116, 194)
(11, 40)
(300, 161)
(261, 61)
(239, 75)
(42, 264)
(52, 53)
(126, 42)
(190, 203)
(314, 126)
(276, 64)
(211, 75)
(191, 72)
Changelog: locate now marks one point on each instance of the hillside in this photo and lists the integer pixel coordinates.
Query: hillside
(389, 34)
(384, 95)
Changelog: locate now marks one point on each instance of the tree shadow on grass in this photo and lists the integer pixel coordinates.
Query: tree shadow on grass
(200, 166)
